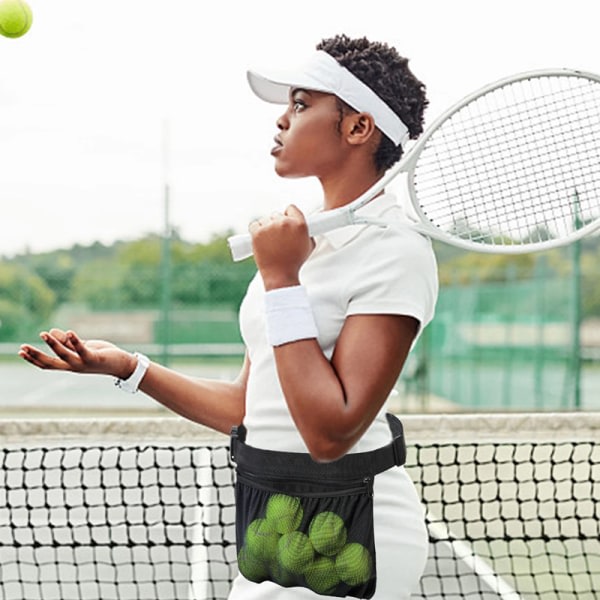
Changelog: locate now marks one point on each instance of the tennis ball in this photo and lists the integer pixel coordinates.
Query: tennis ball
(327, 533)
(252, 568)
(354, 564)
(284, 512)
(295, 551)
(321, 576)
(15, 18)
(282, 576)
(261, 540)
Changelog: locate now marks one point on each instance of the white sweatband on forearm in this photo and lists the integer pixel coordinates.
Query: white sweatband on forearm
(289, 316)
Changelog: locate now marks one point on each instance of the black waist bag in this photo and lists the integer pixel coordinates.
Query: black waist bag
(309, 524)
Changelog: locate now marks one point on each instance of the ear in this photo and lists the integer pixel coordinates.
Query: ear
(360, 128)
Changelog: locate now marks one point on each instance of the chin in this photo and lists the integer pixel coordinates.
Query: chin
(287, 173)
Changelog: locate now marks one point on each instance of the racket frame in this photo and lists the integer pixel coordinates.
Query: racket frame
(241, 245)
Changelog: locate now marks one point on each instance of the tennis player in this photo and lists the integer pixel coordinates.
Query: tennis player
(328, 321)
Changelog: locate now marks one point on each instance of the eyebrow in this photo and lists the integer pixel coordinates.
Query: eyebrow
(299, 89)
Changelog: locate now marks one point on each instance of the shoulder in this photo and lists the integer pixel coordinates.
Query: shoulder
(396, 273)
(395, 248)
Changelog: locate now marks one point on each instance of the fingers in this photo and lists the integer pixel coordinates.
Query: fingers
(40, 359)
(265, 222)
(31, 355)
(291, 213)
(64, 337)
(74, 342)
(59, 334)
(64, 350)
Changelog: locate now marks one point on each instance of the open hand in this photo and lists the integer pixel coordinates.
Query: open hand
(71, 353)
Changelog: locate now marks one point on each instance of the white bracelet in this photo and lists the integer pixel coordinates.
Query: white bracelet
(132, 383)
(289, 316)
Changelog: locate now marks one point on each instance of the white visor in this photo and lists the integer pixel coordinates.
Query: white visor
(323, 73)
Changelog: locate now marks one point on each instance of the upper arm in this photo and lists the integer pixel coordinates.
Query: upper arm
(242, 378)
(368, 358)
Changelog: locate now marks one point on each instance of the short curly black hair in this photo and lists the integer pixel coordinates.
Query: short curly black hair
(380, 67)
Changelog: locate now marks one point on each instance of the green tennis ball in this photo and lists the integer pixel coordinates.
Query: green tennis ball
(321, 576)
(295, 552)
(261, 540)
(284, 512)
(354, 564)
(327, 533)
(15, 18)
(282, 576)
(252, 568)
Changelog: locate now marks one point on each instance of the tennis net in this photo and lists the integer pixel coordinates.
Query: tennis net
(144, 508)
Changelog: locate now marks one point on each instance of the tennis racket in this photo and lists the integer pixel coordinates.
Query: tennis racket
(512, 168)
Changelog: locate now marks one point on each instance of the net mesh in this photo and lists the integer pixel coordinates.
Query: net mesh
(508, 518)
(517, 165)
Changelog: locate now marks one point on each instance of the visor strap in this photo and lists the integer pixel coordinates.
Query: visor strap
(359, 96)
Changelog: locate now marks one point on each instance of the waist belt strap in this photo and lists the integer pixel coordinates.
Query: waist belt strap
(272, 462)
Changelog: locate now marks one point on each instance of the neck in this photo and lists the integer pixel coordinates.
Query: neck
(345, 187)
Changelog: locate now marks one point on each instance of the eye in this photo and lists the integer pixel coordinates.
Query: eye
(298, 104)
(298, 100)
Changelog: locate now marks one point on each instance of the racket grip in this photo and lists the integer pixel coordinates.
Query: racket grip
(241, 245)
(329, 220)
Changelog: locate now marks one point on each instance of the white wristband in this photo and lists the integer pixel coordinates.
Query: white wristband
(289, 316)
(132, 383)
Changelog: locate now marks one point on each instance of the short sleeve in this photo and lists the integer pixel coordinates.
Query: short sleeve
(396, 274)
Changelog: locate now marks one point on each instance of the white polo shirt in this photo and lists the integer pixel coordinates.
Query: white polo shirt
(353, 270)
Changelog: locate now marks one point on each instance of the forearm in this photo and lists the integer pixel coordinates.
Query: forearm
(333, 402)
(326, 414)
(216, 404)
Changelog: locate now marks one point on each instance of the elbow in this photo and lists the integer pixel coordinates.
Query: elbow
(326, 451)
(330, 444)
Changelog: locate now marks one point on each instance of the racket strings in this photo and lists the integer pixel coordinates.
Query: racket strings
(516, 165)
(489, 161)
(511, 187)
(470, 121)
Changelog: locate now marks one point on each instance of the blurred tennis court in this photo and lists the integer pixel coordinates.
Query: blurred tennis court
(28, 392)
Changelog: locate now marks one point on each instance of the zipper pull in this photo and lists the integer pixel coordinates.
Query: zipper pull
(368, 481)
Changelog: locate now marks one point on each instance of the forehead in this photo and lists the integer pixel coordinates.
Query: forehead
(314, 94)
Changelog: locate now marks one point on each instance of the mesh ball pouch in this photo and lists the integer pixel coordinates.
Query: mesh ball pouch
(309, 524)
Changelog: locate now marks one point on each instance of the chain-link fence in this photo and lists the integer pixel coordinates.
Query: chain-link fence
(514, 342)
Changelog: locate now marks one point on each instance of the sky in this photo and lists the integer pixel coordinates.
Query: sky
(106, 104)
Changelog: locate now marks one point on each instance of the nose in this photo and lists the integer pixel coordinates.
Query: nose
(283, 121)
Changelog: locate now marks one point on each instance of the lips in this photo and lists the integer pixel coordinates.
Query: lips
(278, 145)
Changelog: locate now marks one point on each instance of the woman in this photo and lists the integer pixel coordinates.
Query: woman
(328, 321)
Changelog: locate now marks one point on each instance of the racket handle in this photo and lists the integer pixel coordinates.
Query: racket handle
(241, 245)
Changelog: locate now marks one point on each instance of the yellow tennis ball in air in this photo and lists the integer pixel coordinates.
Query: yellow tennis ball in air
(15, 18)
(327, 533)
(284, 512)
(354, 564)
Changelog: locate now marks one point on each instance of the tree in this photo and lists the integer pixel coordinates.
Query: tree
(26, 301)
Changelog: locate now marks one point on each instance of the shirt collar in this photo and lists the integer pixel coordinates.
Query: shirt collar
(376, 208)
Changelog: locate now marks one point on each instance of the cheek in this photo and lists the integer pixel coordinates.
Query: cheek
(317, 141)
